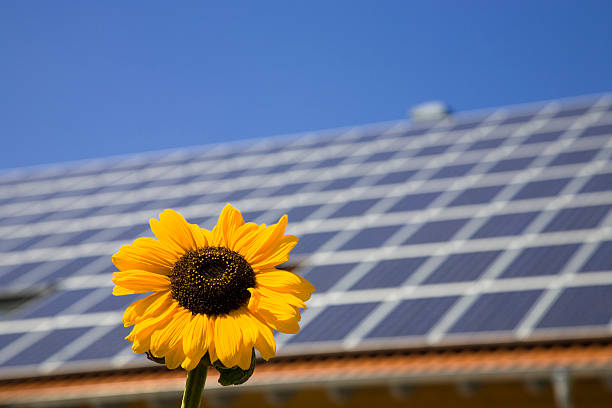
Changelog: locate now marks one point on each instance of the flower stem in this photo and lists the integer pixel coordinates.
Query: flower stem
(194, 386)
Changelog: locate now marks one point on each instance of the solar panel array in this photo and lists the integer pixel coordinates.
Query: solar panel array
(489, 227)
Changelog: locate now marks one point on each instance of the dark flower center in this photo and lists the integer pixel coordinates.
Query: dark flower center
(212, 281)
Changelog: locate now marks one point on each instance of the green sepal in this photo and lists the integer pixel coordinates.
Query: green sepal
(234, 375)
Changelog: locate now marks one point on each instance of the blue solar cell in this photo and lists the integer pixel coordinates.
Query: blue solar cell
(113, 303)
(412, 202)
(486, 144)
(462, 267)
(413, 317)
(333, 323)
(130, 233)
(537, 261)
(238, 194)
(476, 195)
(334, 161)
(281, 168)
(75, 238)
(114, 209)
(456, 170)
(545, 137)
(252, 216)
(341, 183)
(354, 208)
(373, 237)
(380, 156)
(599, 130)
(581, 306)
(107, 346)
(505, 224)
(390, 273)
(125, 187)
(578, 218)
(542, 188)
(46, 346)
(309, 243)
(324, 277)
(53, 304)
(599, 182)
(297, 214)
(6, 339)
(289, 189)
(517, 119)
(70, 267)
(396, 177)
(11, 272)
(231, 174)
(35, 276)
(20, 244)
(465, 126)
(511, 164)
(432, 150)
(104, 268)
(601, 260)
(22, 219)
(496, 312)
(436, 231)
(572, 112)
(583, 156)
(175, 181)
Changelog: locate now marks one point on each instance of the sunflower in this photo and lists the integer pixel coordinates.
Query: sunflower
(215, 292)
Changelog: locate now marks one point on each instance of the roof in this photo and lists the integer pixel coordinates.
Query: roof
(397, 368)
(486, 228)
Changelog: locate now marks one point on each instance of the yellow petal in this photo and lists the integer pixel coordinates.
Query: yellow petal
(166, 337)
(244, 357)
(194, 340)
(279, 297)
(265, 340)
(274, 312)
(201, 236)
(242, 233)
(145, 308)
(146, 254)
(229, 221)
(130, 282)
(174, 357)
(212, 349)
(277, 254)
(141, 333)
(267, 245)
(285, 282)
(228, 338)
(173, 231)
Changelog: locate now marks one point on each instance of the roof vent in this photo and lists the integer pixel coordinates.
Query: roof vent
(430, 111)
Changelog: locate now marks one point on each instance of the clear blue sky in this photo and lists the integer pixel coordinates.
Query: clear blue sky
(82, 79)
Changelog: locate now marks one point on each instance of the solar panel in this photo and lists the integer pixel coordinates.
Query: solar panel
(414, 317)
(389, 273)
(544, 260)
(371, 237)
(580, 306)
(333, 323)
(464, 267)
(496, 312)
(106, 347)
(505, 224)
(325, 276)
(600, 260)
(542, 188)
(469, 229)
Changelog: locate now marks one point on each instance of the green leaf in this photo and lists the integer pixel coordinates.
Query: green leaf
(234, 375)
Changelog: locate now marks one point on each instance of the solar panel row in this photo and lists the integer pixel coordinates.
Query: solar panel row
(406, 233)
